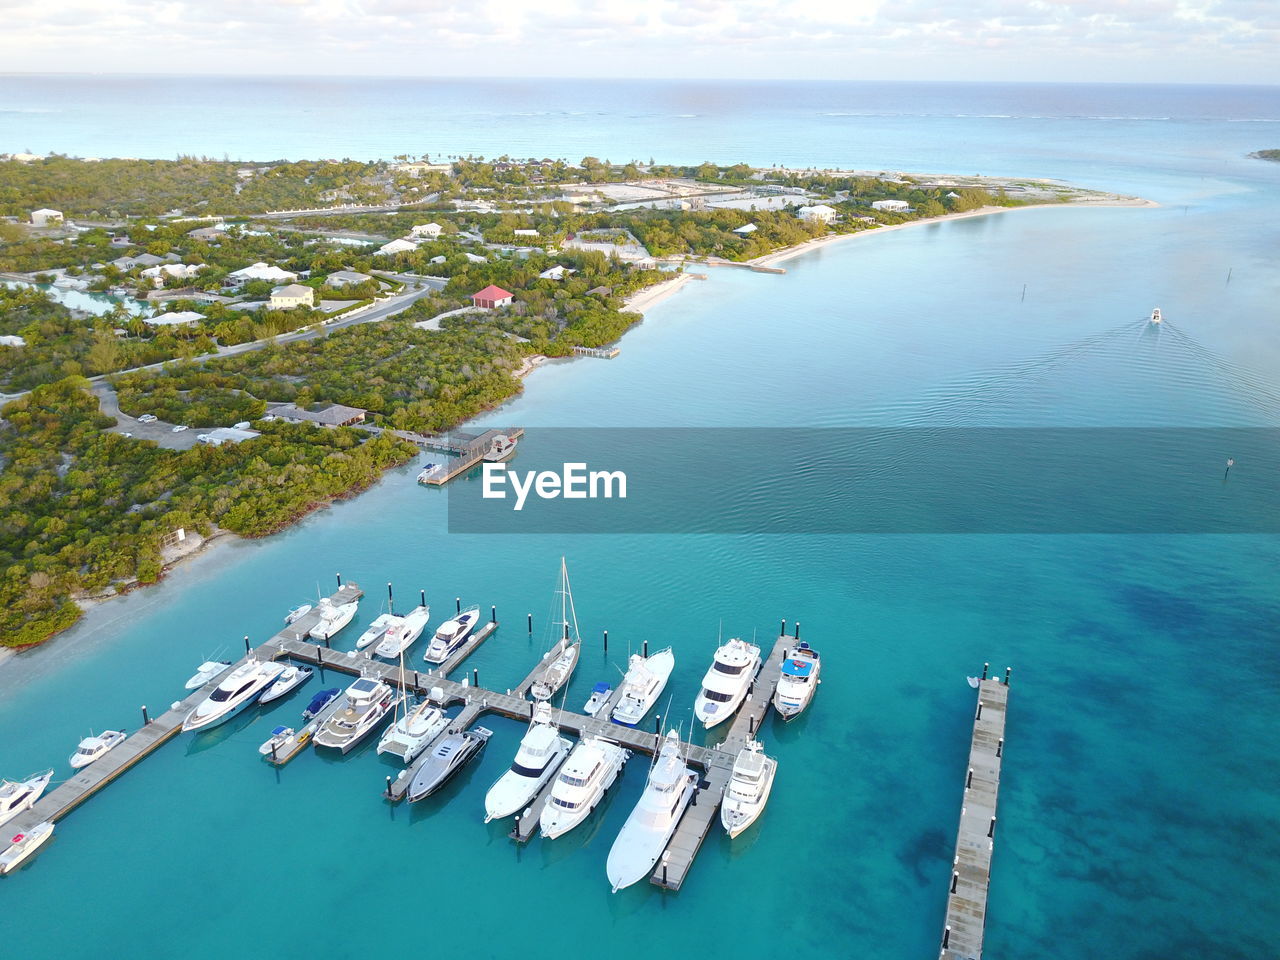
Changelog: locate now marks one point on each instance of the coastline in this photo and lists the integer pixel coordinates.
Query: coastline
(651, 296)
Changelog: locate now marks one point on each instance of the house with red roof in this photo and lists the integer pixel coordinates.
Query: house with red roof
(491, 297)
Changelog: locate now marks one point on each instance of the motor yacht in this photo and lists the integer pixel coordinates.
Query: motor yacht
(644, 836)
(91, 748)
(296, 614)
(290, 679)
(366, 703)
(541, 752)
(24, 845)
(333, 617)
(17, 796)
(451, 635)
(748, 789)
(414, 732)
(375, 631)
(206, 672)
(401, 632)
(583, 780)
(798, 681)
(238, 689)
(646, 677)
(446, 758)
(502, 448)
(726, 683)
(600, 695)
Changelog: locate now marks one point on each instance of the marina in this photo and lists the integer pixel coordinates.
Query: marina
(466, 450)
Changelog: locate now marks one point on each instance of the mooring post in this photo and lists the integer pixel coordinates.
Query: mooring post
(1007, 671)
(388, 786)
(475, 677)
(145, 719)
(247, 649)
(1000, 747)
(531, 624)
(955, 877)
(946, 937)
(797, 629)
(391, 600)
(979, 716)
(968, 781)
(991, 830)
(657, 724)
(457, 604)
(783, 631)
(422, 597)
(985, 667)
(645, 647)
(606, 641)
(274, 759)
(339, 576)
(493, 613)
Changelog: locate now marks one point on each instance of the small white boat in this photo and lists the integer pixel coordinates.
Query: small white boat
(798, 681)
(541, 752)
(502, 448)
(24, 845)
(414, 732)
(428, 472)
(297, 613)
(206, 672)
(367, 702)
(748, 789)
(600, 695)
(584, 779)
(726, 683)
(290, 679)
(238, 689)
(282, 739)
(644, 836)
(91, 748)
(375, 631)
(402, 632)
(1155, 316)
(451, 635)
(17, 796)
(646, 677)
(333, 617)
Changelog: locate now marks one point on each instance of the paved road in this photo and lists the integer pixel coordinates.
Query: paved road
(159, 432)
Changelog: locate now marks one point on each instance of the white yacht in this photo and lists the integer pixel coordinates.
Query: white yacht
(24, 845)
(646, 677)
(91, 748)
(366, 702)
(726, 683)
(206, 672)
(584, 779)
(414, 732)
(241, 687)
(798, 681)
(563, 656)
(282, 740)
(644, 836)
(296, 614)
(402, 632)
(541, 752)
(375, 631)
(452, 634)
(333, 617)
(600, 695)
(17, 796)
(428, 472)
(502, 448)
(290, 679)
(1155, 316)
(748, 789)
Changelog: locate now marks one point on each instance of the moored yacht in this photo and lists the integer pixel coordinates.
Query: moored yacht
(541, 751)
(644, 836)
(646, 677)
(401, 632)
(725, 685)
(24, 845)
(446, 758)
(502, 448)
(241, 687)
(413, 733)
(451, 635)
(206, 672)
(296, 614)
(583, 780)
(290, 679)
(91, 748)
(748, 789)
(333, 617)
(600, 695)
(319, 702)
(375, 631)
(366, 703)
(19, 795)
(798, 681)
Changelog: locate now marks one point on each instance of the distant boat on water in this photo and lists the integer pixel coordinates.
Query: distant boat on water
(1155, 316)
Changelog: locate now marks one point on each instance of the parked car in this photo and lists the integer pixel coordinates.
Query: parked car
(179, 428)
(148, 418)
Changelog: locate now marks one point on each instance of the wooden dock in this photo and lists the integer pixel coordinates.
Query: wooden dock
(602, 353)
(975, 840)
(468, 449)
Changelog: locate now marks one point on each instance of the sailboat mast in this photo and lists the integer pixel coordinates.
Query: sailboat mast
(566, 603)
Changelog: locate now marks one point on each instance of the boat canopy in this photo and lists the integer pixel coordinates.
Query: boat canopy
(278, 731)
(602, 687)
(797, 668)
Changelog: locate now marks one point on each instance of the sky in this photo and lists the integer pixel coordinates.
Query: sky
(1164, 41)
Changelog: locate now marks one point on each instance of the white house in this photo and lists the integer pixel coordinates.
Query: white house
(475, 258)
(525, 233)
(46, 218)
(745, 229)
(558, 272)
(263, 271)
(12, 341)
(427, 231)
(397, 246)
(345, 278)
(176, 319)
(291, 296)
(184, 271)
(436, 260)
(893, 206)
(819, 213)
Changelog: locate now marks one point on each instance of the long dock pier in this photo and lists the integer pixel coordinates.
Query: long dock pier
(970, 880)
(468, 450)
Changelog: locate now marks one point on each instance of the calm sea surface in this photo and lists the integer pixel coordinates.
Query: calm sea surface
(1139, 816)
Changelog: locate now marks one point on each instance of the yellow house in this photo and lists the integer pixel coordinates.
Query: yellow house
(293, 295)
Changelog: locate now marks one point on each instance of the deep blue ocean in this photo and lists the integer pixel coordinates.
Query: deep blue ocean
(1139, 814)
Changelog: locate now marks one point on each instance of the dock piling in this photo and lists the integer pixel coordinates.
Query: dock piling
(797, 629)
(390, 599)
(531, 624)
(388, 785)
(783, 631)
(248, 649)
(493, 614)
(339, 576)
(1007, 671)
(646, 649)
(145, 719)
(457, 604)
(1000, 747)
(606, 641)
(422, 597)
(985, 667)
(475, 677)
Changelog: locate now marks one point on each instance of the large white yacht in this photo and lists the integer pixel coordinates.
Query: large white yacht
(798, 680)
(19, 795)
(726, 683)
(644, 836)
(241, 687)
(748, 789)
(333, 617)
(366, 702)
(583, 780)
(402, 631)
(452, 634)
(541, 752)
(414, 732)
(646, 677)
(375, 631)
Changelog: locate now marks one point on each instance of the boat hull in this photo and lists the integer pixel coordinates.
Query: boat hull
(431, 777)
(512, 793)
(18, 854)
(636, 851)
(36, 787)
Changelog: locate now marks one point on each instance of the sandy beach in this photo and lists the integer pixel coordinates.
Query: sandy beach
(642, 300)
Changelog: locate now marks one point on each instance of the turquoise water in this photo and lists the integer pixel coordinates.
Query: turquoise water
(1139, 813)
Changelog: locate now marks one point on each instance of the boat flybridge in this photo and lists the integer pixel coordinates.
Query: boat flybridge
(451, 635)
(541, 752)
(238, 689)
(645, 680)
(375, 631)
(446, 758)
(24, 845)
(92, 748)
(798, 680)
(17, 796)
(563, 656)
(401, 632)
(366, 702)
(748, 789)
(726, 684)
(333, 617)
(583, 780)
(644, 836)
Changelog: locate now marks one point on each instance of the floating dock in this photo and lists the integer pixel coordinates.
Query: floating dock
(467, 449)
(602, 353)
(975, 840)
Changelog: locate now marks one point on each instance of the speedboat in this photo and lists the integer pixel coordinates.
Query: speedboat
(428, 472)
(24, 845)
(748, 789)
(206, 672)
(282, 739)
(726, 683)
(319, 702)
(584, 779)
(375, 630)
(290, 679)
(646, 677)
(644, 836)
(541, 751)
(1155, 316)
(296, 614)
(91, 748)
(502, 448)
(241, 687)
(451, 634)
(798, 682)
(19, 795)
(367, 702)
(402, 631)
(413, 733)
(600, 695)
(448, 756)
(557, 672)
(333, 617)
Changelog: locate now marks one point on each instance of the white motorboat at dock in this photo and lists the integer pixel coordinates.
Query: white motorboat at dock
(366, 703)
(93, 747)
(748, 788)
(207, 671)
(23, 845)
(583, 781)
(645, 680)
(17, 796)
(375, 631)
(290, 679)
(238, 689)
(644, 836)
(600, 695)
(401, 632)
(333, 617)
(452, 634)
(798, 681)
(541, 752)
(415, 731)
(727, 681)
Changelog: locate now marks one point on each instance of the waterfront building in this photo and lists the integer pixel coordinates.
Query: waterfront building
(426, 231)
(820, 213)
(892, 206)
(333, 415)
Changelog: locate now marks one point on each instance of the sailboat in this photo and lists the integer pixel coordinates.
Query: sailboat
(412, 733)
(563, 657)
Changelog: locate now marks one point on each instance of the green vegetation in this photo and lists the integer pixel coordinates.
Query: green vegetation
(1266, 155)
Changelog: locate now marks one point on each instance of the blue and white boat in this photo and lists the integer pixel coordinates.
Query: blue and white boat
(451, 634)
(600, 694)
(319, 702)
(240, 688)
(798, 681)
(290, 679)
